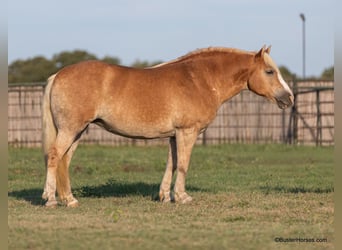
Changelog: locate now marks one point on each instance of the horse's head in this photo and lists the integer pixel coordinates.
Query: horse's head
(266, 80)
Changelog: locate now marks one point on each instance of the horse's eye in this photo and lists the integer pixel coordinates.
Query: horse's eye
(269, 71)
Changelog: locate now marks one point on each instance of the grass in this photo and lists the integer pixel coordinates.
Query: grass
(245, 196)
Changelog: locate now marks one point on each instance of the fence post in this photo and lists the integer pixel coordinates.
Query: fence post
(292, 135)
(283, 126)
(295, 114)
(318, 120)
(204, 138)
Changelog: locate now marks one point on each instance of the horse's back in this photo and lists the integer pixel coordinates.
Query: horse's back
(87, 73)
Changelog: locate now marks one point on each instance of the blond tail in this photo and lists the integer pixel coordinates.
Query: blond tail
(49, 129)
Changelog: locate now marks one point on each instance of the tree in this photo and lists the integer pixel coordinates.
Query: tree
(286, 74)
(66, 58)
(144, 64)
(37, 69)
(328, 74)
(111, 60)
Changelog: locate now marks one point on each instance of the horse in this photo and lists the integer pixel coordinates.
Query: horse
(176, 100)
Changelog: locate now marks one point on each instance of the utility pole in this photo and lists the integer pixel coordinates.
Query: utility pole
(303, 19)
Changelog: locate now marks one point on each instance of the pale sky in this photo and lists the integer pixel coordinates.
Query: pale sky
(163, 30)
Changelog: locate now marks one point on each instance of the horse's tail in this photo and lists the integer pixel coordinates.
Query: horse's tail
(49, 138)
(48, 126)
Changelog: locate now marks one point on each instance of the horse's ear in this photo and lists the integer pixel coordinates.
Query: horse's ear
(268, 50)
(261, 52)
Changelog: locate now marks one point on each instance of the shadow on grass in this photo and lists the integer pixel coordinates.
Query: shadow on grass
(33, 195)
(295, 190)
(112, 188)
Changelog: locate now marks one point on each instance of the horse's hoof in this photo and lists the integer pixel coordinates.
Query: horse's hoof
(183, 198)
(166, 200)
(165, 197)
(188, 199)
(73, 203)
(51, 204)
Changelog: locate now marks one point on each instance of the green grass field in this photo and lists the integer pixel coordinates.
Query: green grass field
(245, 197)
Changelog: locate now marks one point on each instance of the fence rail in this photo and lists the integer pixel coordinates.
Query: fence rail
(246, 118)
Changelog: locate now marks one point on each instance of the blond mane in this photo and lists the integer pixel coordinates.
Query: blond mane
(202, 52)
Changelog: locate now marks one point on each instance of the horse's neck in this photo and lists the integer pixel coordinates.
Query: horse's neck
(230, 76)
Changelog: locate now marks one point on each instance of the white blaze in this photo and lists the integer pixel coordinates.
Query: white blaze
(283, 83)
(269, 60)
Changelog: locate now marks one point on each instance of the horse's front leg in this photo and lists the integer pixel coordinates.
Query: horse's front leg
(185, 139)
(171, 165)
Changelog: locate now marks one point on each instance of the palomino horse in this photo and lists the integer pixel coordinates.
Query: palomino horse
(177, 99)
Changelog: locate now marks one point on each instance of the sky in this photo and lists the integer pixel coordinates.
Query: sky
(163, 30)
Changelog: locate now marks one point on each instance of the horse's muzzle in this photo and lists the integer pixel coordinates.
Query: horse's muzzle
(284, 99)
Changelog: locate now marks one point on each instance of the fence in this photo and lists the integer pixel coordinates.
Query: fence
(312, 116)
(246, 118)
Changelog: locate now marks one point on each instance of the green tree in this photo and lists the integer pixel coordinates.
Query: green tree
(111, 60)
(328, 74)
(37, 69)
(286, 74)
(66, 58)
(144, 64)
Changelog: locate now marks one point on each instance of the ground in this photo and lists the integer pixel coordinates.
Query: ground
(244, 197)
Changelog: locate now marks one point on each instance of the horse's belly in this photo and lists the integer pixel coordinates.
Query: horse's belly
(137, 129)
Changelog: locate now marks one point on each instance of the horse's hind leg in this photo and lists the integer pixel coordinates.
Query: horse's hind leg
(55, 156)
(171, 165)
(63, 179)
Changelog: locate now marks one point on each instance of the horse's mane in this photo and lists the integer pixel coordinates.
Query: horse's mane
(202, 52)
